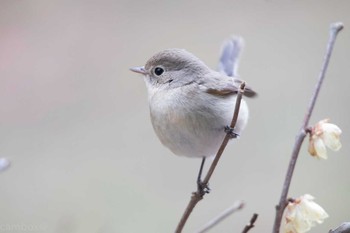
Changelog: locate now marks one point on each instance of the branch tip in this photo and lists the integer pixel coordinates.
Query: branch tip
(233, 209)
(337, 26)
(251, 223)
(343, 228)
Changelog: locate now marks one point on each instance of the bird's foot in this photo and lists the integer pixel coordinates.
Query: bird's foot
(202, 188)
(230, 132)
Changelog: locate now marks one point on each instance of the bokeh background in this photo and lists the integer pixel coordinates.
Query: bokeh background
(74, 121)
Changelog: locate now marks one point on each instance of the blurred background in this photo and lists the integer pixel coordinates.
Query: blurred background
(74, 121)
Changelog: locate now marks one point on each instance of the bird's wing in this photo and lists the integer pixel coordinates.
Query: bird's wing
(221, 85)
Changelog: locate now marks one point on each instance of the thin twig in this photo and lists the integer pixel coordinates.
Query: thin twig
(234, 208)
(227, 137)
(335, 28)
(251, 223)
(198, 195)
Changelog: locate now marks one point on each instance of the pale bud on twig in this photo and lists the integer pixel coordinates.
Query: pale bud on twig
(324, 134)
(302, 214)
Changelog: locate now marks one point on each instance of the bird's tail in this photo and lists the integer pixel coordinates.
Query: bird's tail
(229, 58)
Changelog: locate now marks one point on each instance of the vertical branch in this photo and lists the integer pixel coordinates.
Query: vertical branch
(335, 28)
(198, 195)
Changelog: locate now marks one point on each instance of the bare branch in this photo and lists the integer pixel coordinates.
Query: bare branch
(234, 208)
(227, 138)
(251, 223)
(335, 28)
(198, 195)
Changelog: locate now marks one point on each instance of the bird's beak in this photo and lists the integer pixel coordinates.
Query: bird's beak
(139, 69)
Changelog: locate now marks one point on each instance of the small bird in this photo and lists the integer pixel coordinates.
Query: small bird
(192, 105)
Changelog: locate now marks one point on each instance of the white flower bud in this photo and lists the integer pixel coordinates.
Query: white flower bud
(302, 214)
(323, 135)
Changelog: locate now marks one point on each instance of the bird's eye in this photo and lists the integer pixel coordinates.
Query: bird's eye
(158, 71)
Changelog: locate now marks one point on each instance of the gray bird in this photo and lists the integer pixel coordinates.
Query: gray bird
(190, 104)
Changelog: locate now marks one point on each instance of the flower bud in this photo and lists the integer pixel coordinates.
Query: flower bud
(302, 214)
(323, 135)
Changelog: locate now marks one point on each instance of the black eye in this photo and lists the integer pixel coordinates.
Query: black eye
(158, 71)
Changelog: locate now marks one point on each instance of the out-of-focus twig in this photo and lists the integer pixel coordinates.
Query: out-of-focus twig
(4, 164)
(234, 208)
(343, 228)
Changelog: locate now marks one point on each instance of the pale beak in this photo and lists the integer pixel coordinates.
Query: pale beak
(139, 69)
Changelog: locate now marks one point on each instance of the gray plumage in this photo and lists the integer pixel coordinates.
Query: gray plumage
(190, 104)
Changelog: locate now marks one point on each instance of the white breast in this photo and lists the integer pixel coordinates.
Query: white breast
(192, 123)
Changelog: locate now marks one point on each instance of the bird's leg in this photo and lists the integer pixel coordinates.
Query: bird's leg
(230, 132)
(202, 188)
